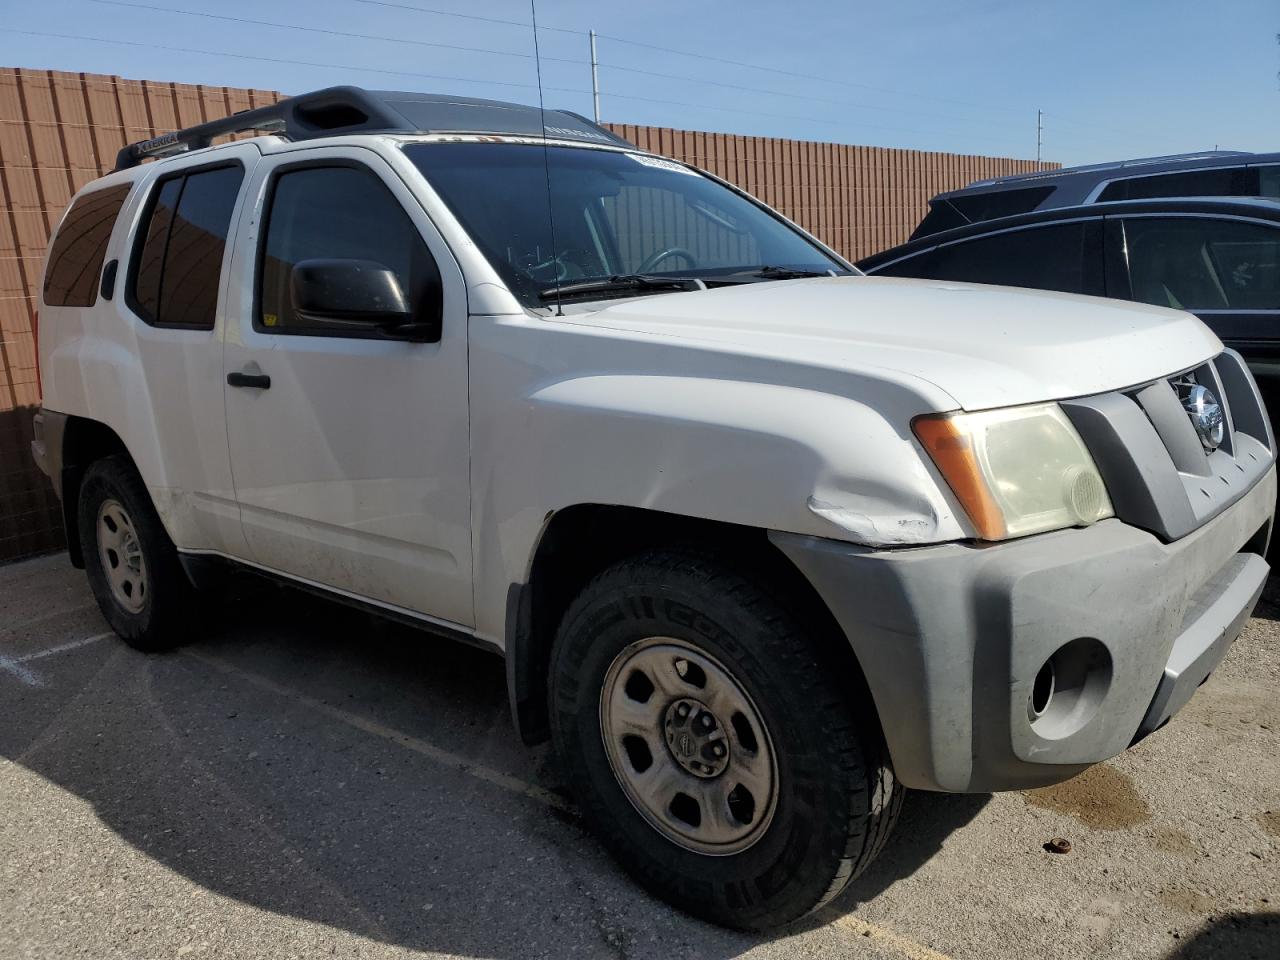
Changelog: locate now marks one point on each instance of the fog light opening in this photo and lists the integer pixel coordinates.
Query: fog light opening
(1068, 690)
(1042, 691)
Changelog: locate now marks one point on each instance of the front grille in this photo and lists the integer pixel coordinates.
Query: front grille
(1159, 472)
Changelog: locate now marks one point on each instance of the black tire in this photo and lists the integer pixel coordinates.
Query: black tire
(165, 617)
(836, 797)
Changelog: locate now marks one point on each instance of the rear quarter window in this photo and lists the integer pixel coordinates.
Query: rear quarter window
(1001, 203)
(1218, 182)
(958, 210)
(75, 258)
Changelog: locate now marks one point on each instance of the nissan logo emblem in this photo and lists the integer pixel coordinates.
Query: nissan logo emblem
(1206, 416)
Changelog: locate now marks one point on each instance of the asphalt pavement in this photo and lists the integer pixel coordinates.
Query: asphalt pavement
(302, 780)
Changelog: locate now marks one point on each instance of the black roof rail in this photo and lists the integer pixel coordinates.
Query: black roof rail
(1113, 165)
(335, 111)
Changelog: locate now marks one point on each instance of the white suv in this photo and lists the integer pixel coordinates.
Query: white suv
(762, 540)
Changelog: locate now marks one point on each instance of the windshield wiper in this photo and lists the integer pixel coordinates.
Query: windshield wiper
(781, 273)
(622, 283)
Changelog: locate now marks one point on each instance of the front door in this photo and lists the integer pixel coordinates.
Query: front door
(349, 449)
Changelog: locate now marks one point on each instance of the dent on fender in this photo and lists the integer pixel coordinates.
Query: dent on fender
(878, 523)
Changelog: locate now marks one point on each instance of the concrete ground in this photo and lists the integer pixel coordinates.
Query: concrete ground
(306, 782)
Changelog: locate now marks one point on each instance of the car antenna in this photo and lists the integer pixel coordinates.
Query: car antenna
(546, 155)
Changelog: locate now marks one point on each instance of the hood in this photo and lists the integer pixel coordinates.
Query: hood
(983, 346)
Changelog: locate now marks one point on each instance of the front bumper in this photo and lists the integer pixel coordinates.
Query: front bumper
(951, 638)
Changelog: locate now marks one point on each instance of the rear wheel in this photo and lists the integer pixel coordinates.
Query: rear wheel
(132, 565)
(726, 769)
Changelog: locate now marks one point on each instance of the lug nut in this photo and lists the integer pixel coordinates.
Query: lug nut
(1058, 845)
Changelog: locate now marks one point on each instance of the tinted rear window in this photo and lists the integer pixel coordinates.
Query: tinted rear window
(1001, 203)
(75, 260)
(941, 216)
(1220, 182)
(976, 207)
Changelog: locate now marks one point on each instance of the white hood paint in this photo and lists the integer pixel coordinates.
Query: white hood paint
(984, 346)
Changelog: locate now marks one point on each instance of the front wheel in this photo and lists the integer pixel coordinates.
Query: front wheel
(726, 769)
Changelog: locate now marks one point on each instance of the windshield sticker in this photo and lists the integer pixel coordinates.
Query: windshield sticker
(661, 164)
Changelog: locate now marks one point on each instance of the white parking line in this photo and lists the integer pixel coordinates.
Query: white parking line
(63, 648)
(904, 945)
(14, 665)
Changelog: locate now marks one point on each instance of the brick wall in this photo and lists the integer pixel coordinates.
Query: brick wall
(60, 130)
(859, 200)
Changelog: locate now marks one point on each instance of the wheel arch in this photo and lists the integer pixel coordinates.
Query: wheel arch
(84, 441)
(580, 541)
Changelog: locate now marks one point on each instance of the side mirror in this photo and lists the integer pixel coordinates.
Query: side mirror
(357, 294)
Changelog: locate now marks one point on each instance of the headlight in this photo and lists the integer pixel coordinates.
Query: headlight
(1017, 471)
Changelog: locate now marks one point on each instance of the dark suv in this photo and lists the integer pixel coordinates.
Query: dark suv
(1216, 257)
(1218, 173)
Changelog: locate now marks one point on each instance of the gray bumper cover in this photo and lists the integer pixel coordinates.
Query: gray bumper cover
(951, 637)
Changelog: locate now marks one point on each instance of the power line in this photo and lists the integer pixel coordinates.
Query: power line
(469, 16)
(699, 55)
(791, 73)
(784, 116)
(402, 73)
(705, 106)
(482, 82)
(844, 104)
(355, 67)
(332, 33)
(433, 11)
(806, 76)
(302, 63)
(702, 56)
(1131, 135)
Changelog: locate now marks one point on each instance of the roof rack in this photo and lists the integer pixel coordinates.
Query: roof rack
(1111, 165)
(335, 111)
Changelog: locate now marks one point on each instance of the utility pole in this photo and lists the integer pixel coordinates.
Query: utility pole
(1039, 132)
(595, 77)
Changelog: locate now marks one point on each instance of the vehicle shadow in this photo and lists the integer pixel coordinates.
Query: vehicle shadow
(1268, 607)
(1235, 936)
(278, 761)
(927, 820)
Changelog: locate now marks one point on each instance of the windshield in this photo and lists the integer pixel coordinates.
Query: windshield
(615, 214)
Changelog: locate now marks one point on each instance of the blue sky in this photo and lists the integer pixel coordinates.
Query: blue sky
(1115, 79)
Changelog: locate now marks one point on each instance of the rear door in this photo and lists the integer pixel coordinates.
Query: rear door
(169, 288)
(349, 449)
(1226, 270)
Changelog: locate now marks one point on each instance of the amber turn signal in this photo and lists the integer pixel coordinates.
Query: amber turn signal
(951, 449)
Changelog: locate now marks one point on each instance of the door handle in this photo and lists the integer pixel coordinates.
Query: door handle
(259, 380)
